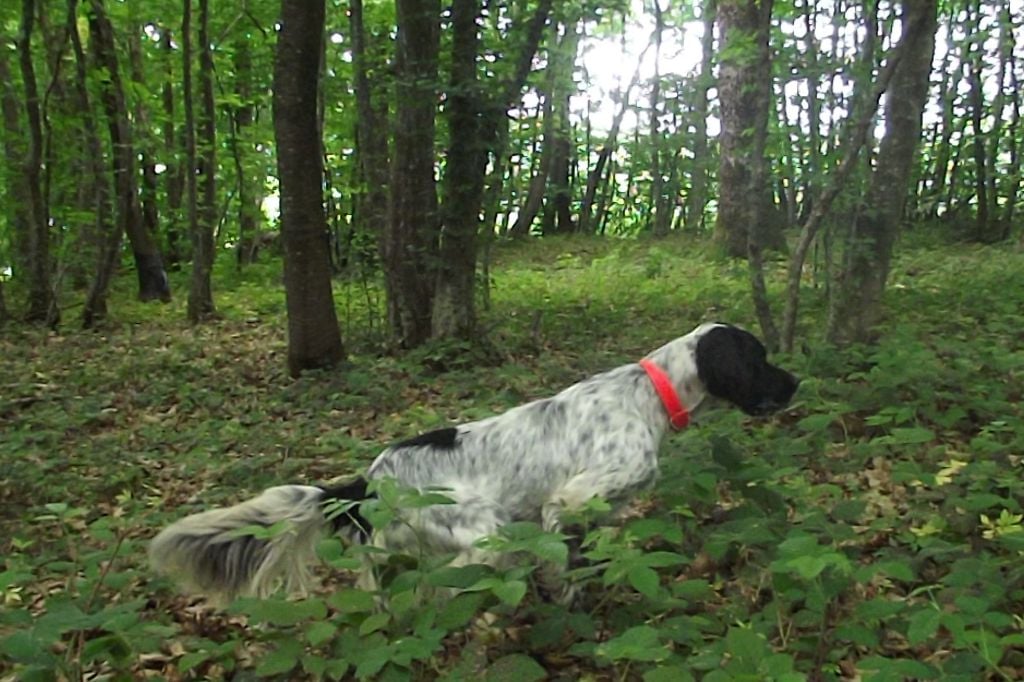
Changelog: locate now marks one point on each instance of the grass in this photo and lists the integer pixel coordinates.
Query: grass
(872, 530)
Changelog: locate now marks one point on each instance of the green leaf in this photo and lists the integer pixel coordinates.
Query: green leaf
(22, 647)
(281, 612)
(669, 673)
(457, 612)
(349, 600)
(725, 454)
(747, 647)
(192, 659)
(638, 643)
(816, 422)
(281, 660)
(808, 567)
(662, 559)
(849, 510)
(914, 435)
(515, 668)
(645, 581)
(374, 622)
(923, 625)
(319, 632)
(510, 592)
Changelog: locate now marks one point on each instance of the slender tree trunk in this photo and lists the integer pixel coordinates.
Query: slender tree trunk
(857, 130)
(595, 176)
(977, 113)
(857, 307)
(659, 227)
(745, 95)
(535, 190)
(248, 184)
(153, 284)
(744, 88)
(174, 176)
(189, 163)
(16, 195)
(200, 297)
(410, 248)
(314, 340)
(1014, 135)
(454, 311)
(371, 136)
(41, 305)
(145, 145)
(814, 165)
(495, 127)
(944, 124)
(558, 215)
(697, 199)
(995, 136)
(106, 234)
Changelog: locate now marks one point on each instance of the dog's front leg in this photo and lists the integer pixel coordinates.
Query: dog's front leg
(615, 484)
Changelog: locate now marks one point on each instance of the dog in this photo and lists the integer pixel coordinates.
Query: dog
(597, 438)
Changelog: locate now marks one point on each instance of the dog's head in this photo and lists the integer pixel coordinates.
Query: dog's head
(733, 365)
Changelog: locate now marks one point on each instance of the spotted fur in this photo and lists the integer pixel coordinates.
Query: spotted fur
(599, 437)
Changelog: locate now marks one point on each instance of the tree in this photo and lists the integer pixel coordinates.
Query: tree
(410, 244)
(453, 314)
(744, 89)
(856, 306)
(697, 199)
(200, 297)
(106, 233)
(41, 303)
(153, 283)
(371, 200)
(314, 340)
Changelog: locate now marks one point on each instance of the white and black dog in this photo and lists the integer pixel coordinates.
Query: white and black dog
(597, 438)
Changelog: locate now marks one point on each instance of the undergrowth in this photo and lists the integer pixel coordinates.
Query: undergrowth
(872, 531)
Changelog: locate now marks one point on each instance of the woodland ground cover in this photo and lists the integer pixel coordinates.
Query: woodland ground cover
(874, 529)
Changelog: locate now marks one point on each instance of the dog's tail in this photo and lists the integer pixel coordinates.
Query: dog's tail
(247, 549)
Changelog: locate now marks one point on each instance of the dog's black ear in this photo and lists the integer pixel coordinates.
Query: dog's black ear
(733, 365)
(728, 360)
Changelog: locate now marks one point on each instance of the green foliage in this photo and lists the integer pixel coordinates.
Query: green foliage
(873, 529)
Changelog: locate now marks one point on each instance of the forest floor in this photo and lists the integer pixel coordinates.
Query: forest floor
(871, 531)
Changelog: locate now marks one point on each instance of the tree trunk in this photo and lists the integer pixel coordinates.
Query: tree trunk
(538, 183)
(410, 246)
(41, 304)
(1014, 135)
(744, 88)
(656, 221)
(105, 234)
(371, 137)
(248, 169)
(454, 314)
(200, 296)
(857, 130)
(153, 284)
(977, 112)
(314, 340)
(857, 306)
(597, 173)
(558, 215)
(147, 159)
(495, 127)
(174, 176)
(16, 195)
(697, 199)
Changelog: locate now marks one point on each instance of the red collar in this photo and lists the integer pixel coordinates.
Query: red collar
(678, 416)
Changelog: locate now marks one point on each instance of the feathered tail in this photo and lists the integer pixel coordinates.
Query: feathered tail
(222, 554)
